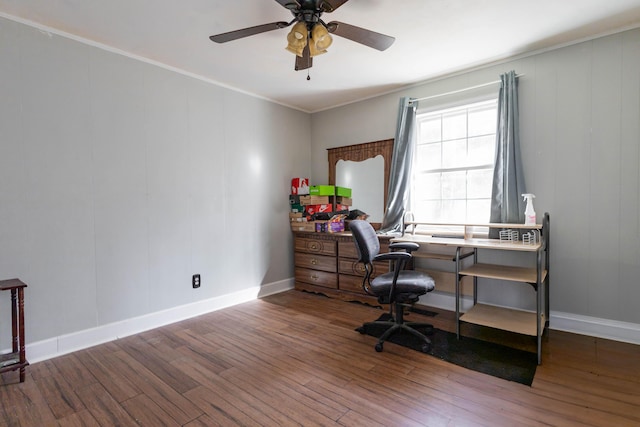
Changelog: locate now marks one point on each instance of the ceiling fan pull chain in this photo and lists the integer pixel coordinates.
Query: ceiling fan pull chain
(308, 76)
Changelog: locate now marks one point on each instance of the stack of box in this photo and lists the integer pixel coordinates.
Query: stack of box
(319, 201)
(299, 189)
(309, 203)
(343, 199)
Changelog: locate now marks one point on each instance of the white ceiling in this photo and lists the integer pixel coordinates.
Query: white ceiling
(433, 38)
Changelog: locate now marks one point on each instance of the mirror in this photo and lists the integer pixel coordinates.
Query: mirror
(356, 157)
(366, 180)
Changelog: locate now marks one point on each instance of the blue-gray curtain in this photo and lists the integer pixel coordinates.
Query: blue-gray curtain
(508, 178)
(398, 194)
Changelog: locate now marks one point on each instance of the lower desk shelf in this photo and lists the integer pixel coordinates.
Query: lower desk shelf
(508, 319)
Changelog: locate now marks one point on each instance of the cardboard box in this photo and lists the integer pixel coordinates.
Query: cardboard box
(297, 208)
(322, 190)
(295, 215)
(343, 191)
(300, 186)
(314, 209)
(347, 201)
(309, 226)
(314, 200)
(329, 226)
(294, 199)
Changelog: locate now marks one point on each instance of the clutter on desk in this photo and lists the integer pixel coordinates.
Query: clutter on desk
(508, 235)
(335, 224)
(529, 212)
(530, 237)
(320, 208)
(299, 186)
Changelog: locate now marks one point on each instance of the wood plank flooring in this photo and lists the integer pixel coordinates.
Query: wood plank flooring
(294, 359)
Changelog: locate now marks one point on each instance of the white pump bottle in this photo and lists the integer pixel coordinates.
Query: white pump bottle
(529, 213)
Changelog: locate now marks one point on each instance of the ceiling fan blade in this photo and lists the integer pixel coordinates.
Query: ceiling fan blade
(289, 4)
(360, 35)
(245, 32)
(305, 61)
(330, 5)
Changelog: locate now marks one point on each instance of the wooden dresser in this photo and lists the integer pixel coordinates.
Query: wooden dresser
(327, 263)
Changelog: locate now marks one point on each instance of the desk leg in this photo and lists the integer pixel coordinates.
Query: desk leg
(458, 293)
(475, 278)
(539, 292)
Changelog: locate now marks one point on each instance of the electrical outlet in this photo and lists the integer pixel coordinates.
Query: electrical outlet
(195, 281)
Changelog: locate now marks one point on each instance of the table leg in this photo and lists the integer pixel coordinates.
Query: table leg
(23, 357)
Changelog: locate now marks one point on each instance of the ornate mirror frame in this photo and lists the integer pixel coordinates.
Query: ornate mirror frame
(359, 153)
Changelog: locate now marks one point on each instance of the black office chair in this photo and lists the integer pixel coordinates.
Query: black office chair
(399, 288)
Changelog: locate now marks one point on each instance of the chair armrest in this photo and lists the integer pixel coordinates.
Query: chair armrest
(407, 246)
(393, 256)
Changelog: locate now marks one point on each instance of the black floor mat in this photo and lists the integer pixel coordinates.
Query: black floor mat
(494, 359)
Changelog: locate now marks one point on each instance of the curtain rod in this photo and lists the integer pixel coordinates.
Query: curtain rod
(459, 90)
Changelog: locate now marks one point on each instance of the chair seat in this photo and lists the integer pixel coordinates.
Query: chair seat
(409, 282)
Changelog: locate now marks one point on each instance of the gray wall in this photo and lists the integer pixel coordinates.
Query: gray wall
(120, 179)
(579, 116)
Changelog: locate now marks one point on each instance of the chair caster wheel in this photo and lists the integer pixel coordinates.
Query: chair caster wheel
(426, 348)
(379, 347)
(361, 330)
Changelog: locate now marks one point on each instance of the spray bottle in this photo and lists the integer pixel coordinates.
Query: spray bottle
(529, 213)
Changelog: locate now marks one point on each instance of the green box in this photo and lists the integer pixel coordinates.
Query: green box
(322, 190)
(343, 191)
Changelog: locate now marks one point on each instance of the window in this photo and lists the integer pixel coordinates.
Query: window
(453, 167)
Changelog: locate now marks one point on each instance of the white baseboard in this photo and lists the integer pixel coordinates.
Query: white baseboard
(595, 327)
(567, 322)
(64, 344)
(446, 301)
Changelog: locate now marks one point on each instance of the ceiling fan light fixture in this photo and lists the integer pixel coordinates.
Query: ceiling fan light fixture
(310, 35)
(320, 40)
(297, 38)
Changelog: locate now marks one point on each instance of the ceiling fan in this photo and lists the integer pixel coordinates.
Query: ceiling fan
(310, 35)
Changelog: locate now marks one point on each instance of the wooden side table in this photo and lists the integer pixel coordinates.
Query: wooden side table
(17, 358)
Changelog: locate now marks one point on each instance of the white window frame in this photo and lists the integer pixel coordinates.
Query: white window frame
(486, 166)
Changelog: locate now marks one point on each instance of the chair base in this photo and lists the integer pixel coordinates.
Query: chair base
(397, 324)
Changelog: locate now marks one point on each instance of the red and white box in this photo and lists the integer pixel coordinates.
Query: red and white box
(300, 186)
(314, 209)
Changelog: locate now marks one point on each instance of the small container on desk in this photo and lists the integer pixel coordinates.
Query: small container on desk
(16, 359)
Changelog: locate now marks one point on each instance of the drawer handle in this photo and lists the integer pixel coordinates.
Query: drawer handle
(314, 261)
(314, 277)
(313, 246)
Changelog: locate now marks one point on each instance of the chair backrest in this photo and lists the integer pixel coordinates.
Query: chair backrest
(366, 240)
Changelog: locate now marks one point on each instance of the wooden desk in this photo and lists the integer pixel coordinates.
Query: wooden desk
(519, 321)
(16, 360)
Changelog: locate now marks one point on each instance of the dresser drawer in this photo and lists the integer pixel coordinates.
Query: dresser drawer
(350, 283)
(348, 249)
(356, 268)
(316, 246)
(316, 277)
(316, 262)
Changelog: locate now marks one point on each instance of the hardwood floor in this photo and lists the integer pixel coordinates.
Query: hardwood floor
(295, 359)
